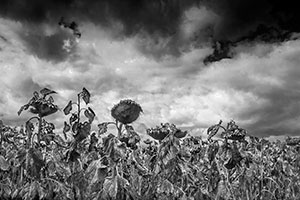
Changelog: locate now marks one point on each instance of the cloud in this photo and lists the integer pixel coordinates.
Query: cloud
(270, 80)
(238, 19)
(164, 27)
(56, 46)
(134, 15)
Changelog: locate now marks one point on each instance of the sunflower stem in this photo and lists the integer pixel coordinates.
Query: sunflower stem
(35, 117)
(39, 130)
(78, 108)
(120, 130)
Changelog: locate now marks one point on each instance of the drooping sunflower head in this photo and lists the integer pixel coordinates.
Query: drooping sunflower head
(162, 131)
(41, 105)
(126, 111)
(43, 108)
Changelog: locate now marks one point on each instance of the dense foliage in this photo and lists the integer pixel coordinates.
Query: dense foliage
(38, 163)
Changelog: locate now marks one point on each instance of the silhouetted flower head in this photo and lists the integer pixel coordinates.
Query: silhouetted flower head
(43, 108)
(41, 105)
(126, 111)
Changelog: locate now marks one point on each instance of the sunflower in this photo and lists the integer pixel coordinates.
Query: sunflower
(180, 134)
(39, 105)
(157, 133)
(126, 111)
(43, 108)
(162, 131)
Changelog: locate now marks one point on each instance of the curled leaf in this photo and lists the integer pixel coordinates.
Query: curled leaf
(89, 113)
(46, 92)
(213, 130)
(68, 108)
(36, 95)
(26, 106)
(73, 118)
(66, 129)
(50, 99)
(85, 95)
(75, 127)
(23, 108)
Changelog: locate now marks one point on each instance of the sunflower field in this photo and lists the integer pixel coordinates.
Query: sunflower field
(38, 162)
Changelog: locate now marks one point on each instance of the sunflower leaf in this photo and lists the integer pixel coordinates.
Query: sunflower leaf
(46, 92)
(85, 95)
(3, 164)
(89, 113)
(68, 108)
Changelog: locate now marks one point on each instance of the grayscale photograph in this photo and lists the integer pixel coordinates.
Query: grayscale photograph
(149, 100)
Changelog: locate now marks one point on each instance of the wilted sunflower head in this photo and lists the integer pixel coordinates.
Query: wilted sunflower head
(41, 105)
(126, 111)
(43, 108)
(161, 132)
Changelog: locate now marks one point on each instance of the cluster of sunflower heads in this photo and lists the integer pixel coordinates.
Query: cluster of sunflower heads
(126, 111)
(161, 132)
(41, 105)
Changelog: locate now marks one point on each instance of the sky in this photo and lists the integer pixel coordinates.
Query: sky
(190, 62)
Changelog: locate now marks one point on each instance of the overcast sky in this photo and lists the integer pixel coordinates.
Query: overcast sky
(187, 62)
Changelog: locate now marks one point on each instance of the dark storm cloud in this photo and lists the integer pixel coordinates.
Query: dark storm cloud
(239, 20)
(221, 51)
(251, 21)
(152, 16)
